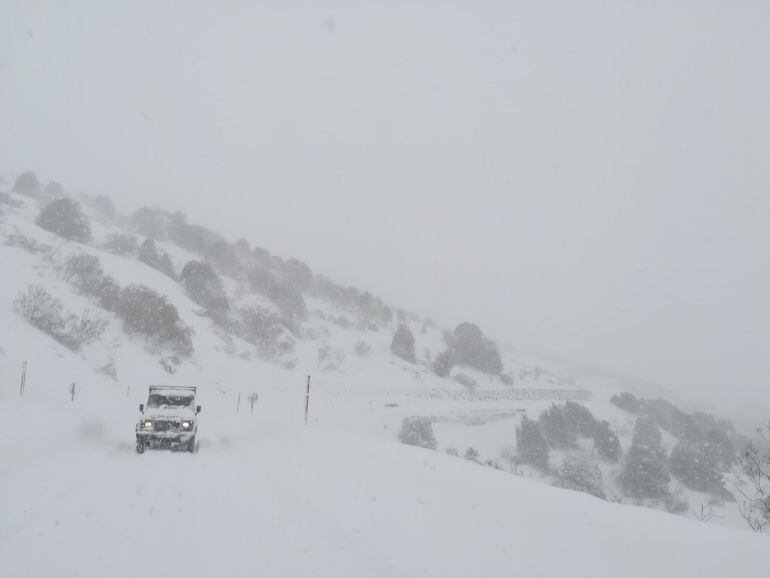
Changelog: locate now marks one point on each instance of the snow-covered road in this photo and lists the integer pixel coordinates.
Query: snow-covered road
(262, 498)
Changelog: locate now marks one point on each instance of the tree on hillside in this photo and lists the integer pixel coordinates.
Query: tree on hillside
(288, 299)
(264, 329)
(223, 256)
(443, 363)
(54, 190)
(470, 347)
(557, 431)
(205, 287)
(531, 445)
(147, 313)
(645, 473)
(160, 260)
(28, 184)
(694, 463)
(606, 442)
(152, 223)
(65, 218)
(403, 343)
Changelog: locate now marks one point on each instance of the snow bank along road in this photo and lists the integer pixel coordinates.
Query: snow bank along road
(261, 498)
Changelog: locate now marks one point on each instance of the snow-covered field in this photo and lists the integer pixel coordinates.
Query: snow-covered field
(266, 495)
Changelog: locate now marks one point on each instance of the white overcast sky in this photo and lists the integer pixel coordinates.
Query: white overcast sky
(589, 178)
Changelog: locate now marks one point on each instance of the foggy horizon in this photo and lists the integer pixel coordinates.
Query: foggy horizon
(575, 190)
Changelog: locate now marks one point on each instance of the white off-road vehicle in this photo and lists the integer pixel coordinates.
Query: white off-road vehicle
(170, 419)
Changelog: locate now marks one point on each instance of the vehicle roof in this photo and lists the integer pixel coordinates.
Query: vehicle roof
(172, 390)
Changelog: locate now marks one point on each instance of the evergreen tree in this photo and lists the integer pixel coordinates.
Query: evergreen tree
(403, 343)
(28, 184)
(531, 445)
(205, 287)
(694, 463)
(645, 473)
(65, 218)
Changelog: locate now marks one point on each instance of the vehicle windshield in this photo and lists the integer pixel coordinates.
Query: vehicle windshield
(159, 401)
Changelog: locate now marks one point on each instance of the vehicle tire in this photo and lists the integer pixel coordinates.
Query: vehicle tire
(139, 447)
(191, 445)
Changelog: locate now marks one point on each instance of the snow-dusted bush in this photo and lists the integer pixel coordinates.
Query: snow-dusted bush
(531, 445)
(88, 327)
(28, 184)
(470, 347)
(147, 313)
(47, 313)
(297, 273)
(417, 431)
(645, 472)
(265, 329)
(160, 260)
(85, 272)
(204, 286)
(103, 205)
(466, 381)
(26, 243)
(330, 358)
(224, 257)
(627, 402)
(152, 223)
(577, 473)
(288, 299)
(191, 237)
(362, 348)
(53, 190)
(403, 343)
(41, 309)
(65, 218)
(121, 244)
(472, 455)
(443, 363)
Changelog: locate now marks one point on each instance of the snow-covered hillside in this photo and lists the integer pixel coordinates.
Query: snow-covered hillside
(267, 495)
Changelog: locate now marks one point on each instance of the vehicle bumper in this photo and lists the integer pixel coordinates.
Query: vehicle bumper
(163, 439)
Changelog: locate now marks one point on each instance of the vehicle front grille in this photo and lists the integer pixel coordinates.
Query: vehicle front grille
(165, 425)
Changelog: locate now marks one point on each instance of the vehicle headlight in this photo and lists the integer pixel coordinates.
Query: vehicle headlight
(147, 424)
(187, 424)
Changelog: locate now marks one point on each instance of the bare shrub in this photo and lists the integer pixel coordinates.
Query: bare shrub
(755, 466)
(46, 312)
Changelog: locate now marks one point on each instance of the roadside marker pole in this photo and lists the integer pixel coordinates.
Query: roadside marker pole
(23, 379)
(307, 398)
